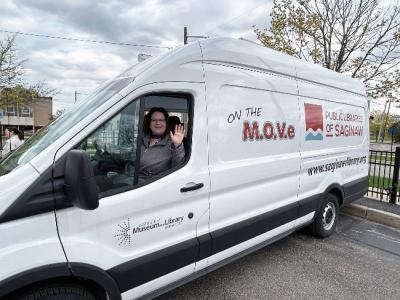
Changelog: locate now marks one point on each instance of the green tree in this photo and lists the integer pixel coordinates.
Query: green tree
(13, 90)
(375, 124)
(21, 95)
(359, 38)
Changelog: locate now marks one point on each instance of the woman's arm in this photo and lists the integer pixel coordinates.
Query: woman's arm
(177, 148)
(6, 149)
(178, 154)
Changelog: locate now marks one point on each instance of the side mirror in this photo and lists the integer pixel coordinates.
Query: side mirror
(79, 181)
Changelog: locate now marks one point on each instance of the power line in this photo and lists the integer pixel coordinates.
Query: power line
(84, 40)
(234, 18)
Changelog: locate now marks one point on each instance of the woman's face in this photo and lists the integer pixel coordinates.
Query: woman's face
(158, 124)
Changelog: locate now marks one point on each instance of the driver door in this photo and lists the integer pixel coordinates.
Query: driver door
(142, 232)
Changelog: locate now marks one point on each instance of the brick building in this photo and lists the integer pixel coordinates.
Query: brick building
(28, 117)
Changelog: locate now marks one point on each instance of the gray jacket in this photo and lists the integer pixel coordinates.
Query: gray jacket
(159, 157)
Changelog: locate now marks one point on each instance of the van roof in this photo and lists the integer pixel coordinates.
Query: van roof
(243, 53)
(184, 64)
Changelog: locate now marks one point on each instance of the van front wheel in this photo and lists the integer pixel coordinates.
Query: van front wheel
(57, 292)
(326, 217)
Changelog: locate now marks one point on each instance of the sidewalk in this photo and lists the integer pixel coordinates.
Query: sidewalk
(376, 211)
(383, 146)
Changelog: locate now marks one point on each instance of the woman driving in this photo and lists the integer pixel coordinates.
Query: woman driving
(161, 149)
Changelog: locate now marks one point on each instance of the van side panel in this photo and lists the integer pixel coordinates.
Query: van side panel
(254, 153)
(334, 140)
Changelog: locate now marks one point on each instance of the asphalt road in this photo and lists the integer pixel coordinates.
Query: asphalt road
(360, 261)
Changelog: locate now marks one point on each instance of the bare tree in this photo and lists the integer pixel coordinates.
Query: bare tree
(22, 94)
(41, 89)
(13, 89)
(360, 38)
(58, 113)
(11, 68)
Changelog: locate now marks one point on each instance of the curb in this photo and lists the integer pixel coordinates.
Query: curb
(373, 215)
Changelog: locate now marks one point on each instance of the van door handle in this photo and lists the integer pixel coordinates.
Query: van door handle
(192, 188)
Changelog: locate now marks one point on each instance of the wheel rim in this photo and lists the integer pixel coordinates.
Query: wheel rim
(329, 216)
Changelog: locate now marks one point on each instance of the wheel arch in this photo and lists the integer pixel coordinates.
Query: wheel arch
(337, 190)
(87, 275)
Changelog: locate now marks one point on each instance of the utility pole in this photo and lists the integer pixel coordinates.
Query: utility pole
(186, 36)
(1, 116)
(1, 134)
(76, 95)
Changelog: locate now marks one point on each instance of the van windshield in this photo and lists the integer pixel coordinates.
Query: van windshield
(49, 134)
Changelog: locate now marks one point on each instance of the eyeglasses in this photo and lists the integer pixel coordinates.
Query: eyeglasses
(158, 120)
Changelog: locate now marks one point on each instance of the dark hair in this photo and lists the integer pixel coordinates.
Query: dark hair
(172, 122)
(15, 131)
(147, 119)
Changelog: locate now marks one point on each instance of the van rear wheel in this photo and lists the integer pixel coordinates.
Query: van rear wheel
(58, 291)
(326, 217)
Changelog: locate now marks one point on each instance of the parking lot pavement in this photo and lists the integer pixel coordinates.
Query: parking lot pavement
(360, 261)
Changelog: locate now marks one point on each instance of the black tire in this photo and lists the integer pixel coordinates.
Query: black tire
(326, 217)
(57, 291)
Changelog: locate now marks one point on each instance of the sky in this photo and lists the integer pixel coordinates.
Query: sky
(71, 66)
(379, 105)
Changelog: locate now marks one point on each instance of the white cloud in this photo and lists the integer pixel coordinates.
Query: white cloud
(80, 66)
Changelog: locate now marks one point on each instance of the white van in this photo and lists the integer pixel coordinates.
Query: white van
(272, 144)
